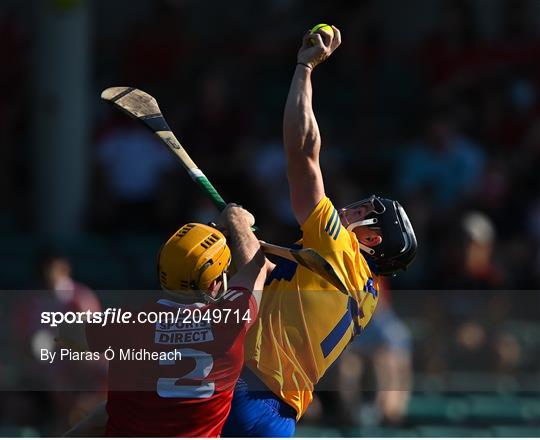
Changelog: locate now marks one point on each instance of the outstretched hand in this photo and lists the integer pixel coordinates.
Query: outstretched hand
(318, 46)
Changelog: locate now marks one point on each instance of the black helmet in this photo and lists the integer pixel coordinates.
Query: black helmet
(398, 248)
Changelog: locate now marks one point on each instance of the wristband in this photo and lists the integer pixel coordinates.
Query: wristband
(305, 65)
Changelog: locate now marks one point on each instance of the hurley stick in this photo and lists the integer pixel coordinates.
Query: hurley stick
(143, 107)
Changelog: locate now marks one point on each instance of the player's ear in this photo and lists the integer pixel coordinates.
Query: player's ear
(215, 288)
(371, 240)
(376, 240)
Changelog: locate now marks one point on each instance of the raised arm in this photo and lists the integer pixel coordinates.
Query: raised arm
(301, 134)
(252, 266)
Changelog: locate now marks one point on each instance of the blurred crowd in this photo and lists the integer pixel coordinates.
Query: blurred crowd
(447, 122)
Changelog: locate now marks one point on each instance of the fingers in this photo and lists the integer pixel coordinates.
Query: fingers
(324, 40)
(318, 46)
(251, 219)
(313, 39)
(317, 41)
(232, 207)
(336, 41)
(233, 210)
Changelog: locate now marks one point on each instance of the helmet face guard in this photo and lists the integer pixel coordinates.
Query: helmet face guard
(360, 213)
(398, 246)
(222, 277)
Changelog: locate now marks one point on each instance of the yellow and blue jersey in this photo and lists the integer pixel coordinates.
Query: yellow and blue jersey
(304, 323)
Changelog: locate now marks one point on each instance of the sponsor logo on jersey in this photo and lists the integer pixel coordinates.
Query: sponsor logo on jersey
(182, 333)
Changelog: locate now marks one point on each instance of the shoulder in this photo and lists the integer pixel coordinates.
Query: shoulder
(323, 219)
(236, 297)
(323, 208)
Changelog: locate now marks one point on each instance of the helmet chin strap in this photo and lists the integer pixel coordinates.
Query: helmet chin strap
(366, 222)
(223, 289)
(224, 283)
(366, 248)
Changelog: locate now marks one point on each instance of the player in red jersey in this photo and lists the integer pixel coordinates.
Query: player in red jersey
(187, 392)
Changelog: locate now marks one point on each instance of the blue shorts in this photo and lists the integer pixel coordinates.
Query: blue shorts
(257, 412)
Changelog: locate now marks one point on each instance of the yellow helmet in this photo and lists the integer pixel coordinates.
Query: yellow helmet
(192, 258)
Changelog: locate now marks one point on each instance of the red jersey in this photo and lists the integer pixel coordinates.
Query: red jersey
(188, 393)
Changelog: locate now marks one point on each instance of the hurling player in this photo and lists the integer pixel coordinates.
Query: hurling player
(191, 396)
(305, 323)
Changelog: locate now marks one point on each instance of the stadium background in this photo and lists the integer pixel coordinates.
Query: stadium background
(433, 102)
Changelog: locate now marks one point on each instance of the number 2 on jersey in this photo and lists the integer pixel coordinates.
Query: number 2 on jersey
(166, 386)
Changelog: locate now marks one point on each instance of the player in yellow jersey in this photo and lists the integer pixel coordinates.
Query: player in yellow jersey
(306, 323)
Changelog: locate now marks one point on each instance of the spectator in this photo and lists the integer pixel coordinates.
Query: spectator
(444, 162)
(385, 345)
(134, 165)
